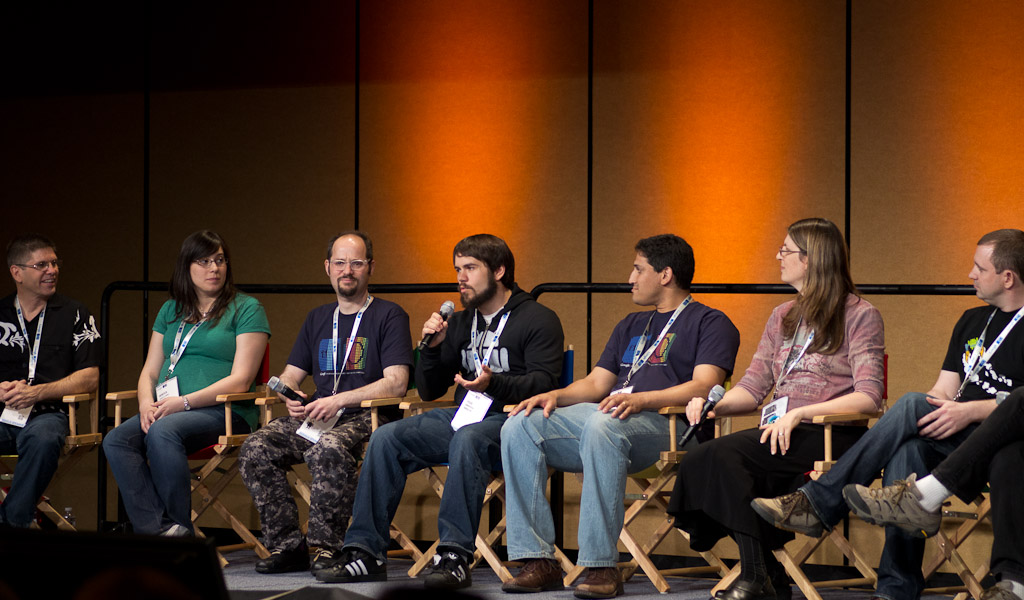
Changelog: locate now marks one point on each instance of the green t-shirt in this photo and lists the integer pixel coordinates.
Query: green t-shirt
(211, 351)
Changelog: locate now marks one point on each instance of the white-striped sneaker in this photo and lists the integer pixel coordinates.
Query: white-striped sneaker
(449, 572)
(354, 565)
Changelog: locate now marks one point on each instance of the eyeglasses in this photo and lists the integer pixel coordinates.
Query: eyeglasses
(220, 261)
(357, 265)
(783, 251)
(41, 265)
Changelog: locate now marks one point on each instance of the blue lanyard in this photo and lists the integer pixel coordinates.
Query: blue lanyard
(180, 344)
(977, 360)
(638, 360)
(494, 342)
(348, 345)
(33, 357)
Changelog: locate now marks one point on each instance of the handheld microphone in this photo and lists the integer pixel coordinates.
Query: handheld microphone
(276, 385)
(713, 397)
(445, 311)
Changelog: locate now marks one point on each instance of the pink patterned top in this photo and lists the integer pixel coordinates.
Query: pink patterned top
(856, 366)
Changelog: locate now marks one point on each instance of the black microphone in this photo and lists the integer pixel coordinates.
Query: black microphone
(276, 385)
(713, 397)
(445, 311)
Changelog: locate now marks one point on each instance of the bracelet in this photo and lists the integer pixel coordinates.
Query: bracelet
(184, 400)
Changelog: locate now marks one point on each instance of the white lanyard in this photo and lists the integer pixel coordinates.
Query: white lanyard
(348, 345)
(638, 360)
(180, 345)
(791, 362)
(494, 342)
(977, 360)
(33, 357)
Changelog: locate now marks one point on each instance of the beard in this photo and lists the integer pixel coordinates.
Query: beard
(346, 292)
(481, 297)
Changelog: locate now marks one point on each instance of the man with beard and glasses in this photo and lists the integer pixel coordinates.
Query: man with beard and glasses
(357, 348)
(503, 348)
(49, 348)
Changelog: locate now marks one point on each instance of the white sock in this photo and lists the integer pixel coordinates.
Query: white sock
(933, 493)
(1015, 586)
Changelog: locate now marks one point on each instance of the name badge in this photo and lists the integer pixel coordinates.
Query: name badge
(774, 411)
(626, 390)
(14, 417)
(167, 389)
(311, 430)
(473, 409)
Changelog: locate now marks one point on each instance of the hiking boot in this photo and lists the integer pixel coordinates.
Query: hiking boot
(537, 575)
(354, 565)
(601, 582)
(898, 505)
(449, 571)
(792, 512)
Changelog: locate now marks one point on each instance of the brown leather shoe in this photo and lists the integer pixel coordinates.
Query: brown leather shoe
(537, 575)
(601, 582)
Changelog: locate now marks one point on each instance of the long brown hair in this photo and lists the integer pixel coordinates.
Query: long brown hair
(199, 245)
(822, 299)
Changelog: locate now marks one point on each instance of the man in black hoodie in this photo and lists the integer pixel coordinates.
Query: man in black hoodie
(505, 347)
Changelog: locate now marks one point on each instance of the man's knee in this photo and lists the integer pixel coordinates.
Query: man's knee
(1007, 464)
(41, 441)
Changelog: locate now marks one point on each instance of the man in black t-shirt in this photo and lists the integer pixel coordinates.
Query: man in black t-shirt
(985, 356)
(49, 348)
(356, 349)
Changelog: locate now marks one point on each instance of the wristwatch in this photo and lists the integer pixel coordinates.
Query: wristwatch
(184, 400)
(1000, 396)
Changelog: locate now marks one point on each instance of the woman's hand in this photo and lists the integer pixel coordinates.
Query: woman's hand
(168, 406)
(147, 415)
(779, 433)
(693, 408)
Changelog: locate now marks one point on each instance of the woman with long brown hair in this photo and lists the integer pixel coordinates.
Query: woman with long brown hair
(820, 353)
(208, 339)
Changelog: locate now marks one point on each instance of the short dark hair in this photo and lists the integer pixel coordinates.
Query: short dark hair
(493, 251)
(1007, 250)
(21, 247)
(199, 245)
(358, 234)
(668, 250)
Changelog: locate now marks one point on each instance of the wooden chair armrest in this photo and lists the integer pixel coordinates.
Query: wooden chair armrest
(844, 417)
(125, 395)
(79, 398)
(268, 401)
(236, 397)
(378, 402)
(422, 404)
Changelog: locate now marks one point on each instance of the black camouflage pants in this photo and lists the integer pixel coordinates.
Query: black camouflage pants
(265, 459)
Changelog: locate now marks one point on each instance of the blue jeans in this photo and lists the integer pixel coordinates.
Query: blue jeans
(414, 443)
(152, 469)
(893, 444)
(578, 439)
(38, 445)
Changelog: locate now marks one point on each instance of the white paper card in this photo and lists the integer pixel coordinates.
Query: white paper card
(167, 389)
(18, 417)
(625, 390)
(473, 409)
(312, 430)
(774, 411)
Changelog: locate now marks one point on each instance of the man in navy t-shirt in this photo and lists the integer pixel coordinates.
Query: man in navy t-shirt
(356, 349)
(607, 425)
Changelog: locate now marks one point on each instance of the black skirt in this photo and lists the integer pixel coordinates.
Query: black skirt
(718, 479)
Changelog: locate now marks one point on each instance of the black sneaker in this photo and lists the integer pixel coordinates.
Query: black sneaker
(284, 561)
(450, 571)
(323, 558)
(354, 565)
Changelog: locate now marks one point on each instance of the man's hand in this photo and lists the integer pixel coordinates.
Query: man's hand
(322, 409)
(622, 405)
(546, 401)
(18, 394)
(477, 385)
(779, 432)
(949, 418)
(296, 409)
(437, 326)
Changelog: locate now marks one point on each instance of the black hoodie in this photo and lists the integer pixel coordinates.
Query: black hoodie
(527, 360)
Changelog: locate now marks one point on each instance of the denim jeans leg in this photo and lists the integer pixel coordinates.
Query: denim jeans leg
(395, 450)
(39, 445)
(610, 448)
(529, 445)
(866, 458)
(899, 568)
(474, 453)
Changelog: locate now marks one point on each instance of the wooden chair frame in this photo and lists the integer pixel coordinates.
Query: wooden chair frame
(949, 545)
